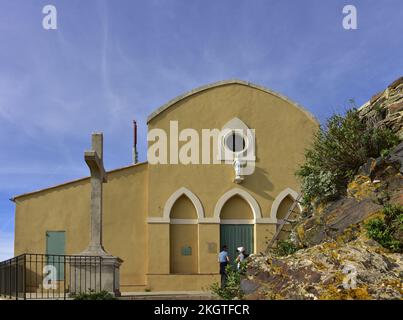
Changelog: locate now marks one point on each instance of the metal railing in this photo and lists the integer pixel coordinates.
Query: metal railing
(50, 276)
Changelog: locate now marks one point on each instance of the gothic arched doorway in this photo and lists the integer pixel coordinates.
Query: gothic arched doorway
(236, 226)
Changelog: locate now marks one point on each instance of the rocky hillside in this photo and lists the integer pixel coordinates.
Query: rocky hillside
(386, 108)
(337, 259)
(379, 181)
(357, 269)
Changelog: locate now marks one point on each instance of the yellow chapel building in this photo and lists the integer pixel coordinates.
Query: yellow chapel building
(167, 221)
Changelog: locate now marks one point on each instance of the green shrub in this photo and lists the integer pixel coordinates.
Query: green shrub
(386, 231)
(102, 295)
(337, 152)
(285, 248)
(232, 288)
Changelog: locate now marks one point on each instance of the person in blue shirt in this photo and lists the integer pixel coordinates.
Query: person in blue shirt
(223, 260)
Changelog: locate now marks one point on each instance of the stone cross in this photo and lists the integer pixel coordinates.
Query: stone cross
(94, 160)
(109, 268)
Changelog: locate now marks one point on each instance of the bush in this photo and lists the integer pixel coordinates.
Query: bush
(388, 231)
(285, 248)
(232, 289)
(338, 150)
(102, 295)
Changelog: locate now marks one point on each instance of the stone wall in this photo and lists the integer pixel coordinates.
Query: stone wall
(386, 108)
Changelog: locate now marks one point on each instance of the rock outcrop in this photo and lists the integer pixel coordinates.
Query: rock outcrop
(386, 108)
(377, 182)
(358, 269)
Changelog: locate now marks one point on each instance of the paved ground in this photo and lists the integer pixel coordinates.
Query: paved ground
(168, 295)
(165, 295)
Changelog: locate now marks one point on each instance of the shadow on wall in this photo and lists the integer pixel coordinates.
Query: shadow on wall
(260, 184)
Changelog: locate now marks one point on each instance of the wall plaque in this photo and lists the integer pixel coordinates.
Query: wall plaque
(186, 251)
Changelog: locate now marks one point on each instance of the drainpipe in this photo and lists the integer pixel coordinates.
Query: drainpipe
(135, 153)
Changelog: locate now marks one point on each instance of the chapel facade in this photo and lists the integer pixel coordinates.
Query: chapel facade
(168, 221)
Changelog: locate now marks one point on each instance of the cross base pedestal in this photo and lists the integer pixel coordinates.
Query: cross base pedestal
(91, 273)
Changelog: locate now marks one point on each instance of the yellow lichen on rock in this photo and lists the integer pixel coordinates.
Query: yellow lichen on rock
(358, 269)
(361, 187)
(300, 231)
(358, 294)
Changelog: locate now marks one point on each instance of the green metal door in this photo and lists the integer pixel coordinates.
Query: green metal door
(236, 235)
(55, 245)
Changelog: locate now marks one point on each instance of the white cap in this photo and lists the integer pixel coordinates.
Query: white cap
(241, 249)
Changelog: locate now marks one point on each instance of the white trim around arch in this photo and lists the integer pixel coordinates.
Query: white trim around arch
(171, 201)
(257, 214)
(280, 197)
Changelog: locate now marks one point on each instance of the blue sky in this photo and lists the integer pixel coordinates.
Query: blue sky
(112, 61)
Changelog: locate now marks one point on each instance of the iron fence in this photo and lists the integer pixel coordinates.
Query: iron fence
(50, 276)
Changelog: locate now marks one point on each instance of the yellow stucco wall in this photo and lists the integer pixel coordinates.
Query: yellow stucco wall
(67, 208)
(209, 241)
(53, 210)
(181, 236)
(236, 208)
(158, 248)
(125, 227)
(282, 130)
(136, 193)
(263, 234)
(281, 212)
(282, 133)
(284, 206)
(183, 209)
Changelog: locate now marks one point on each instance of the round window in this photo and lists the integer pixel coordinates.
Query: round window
(235, 142)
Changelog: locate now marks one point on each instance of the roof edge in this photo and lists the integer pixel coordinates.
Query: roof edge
(170, 103)
(13, 199)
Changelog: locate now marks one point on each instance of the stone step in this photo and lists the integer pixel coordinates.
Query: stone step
(168, 295)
